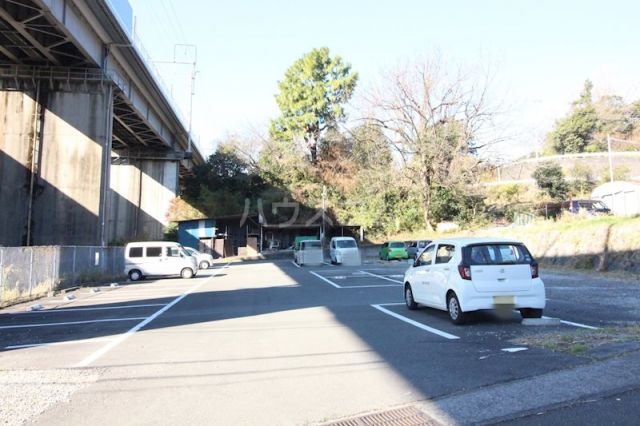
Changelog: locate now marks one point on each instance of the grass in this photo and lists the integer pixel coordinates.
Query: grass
(616, 275)
(574, 241)
(581, 342)
(563, 224)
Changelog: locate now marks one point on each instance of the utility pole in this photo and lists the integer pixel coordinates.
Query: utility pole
(193, 81)
(610, 161)
(193, 86)
(324, 196)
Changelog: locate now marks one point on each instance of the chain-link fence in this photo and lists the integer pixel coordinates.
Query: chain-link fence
(27, 272)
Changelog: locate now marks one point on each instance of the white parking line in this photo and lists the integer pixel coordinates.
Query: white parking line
(295, 264)
(325, 280)
(70, 342)
(106, 308)
(416, 323)
(381, 277)
(124, 296)
(55, 324)
(121, 338)
(576, 324)
(353, 286)
(369, 286)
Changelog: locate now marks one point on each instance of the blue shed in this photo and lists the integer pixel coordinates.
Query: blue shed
(191, 232)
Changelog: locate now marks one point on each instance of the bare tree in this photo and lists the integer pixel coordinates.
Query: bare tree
(435, 120)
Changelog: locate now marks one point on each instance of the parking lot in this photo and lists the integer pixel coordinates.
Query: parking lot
(87, 321)
(250, 341)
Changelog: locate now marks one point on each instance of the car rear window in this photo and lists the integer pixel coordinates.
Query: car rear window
(397, 245)
(135, 252)
(311, 245)
(346, 244)
(497, 254)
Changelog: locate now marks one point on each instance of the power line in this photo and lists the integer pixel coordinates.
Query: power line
(171, 20)
(177, 21)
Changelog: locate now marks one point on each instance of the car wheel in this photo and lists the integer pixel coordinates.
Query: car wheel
(531, 313)
(455, 312)
(204, 265)
(135, 275)
(408, 298)
(186, 273)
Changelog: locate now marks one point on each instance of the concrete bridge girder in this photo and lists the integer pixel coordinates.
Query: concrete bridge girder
(70, 33)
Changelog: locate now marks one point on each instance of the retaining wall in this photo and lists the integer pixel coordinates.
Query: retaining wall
(30, 272)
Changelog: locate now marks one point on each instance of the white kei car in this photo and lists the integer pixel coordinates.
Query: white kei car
(460, 275)
(205, 260)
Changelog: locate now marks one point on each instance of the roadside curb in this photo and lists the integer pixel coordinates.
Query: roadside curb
(557, 388)
(540, 321)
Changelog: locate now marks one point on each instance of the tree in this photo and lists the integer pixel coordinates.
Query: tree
(433, 119)
(573, 133)
(370, 147)
(583, 181)
(312, 97)
(223, 183)
(549, 178)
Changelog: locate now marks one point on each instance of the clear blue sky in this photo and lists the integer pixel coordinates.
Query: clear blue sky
(542, 51)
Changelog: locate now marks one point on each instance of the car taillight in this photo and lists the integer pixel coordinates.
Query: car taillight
(465, 272)
(534, 271)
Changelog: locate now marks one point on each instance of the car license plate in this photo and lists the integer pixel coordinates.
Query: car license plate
(503, 300)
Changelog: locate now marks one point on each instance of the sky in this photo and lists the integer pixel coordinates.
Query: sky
(540, 53)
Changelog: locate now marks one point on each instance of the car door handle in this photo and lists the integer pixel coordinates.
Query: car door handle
(445, 269)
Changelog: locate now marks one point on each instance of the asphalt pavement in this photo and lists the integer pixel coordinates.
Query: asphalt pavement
(268, 342)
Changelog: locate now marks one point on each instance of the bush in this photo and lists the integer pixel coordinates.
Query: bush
(171, 232)
(549, 178)
(448, 204)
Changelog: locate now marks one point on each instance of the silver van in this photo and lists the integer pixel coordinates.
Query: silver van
(309, 253)
(158, 258)
(344, 251)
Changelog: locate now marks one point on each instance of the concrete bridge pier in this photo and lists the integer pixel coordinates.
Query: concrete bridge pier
(55, 145)
(141, 191)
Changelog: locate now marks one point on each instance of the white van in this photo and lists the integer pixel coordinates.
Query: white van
(344, 250)
(158, 258)
(309, 253)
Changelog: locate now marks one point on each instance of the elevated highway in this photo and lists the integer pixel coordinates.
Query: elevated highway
(92, 148)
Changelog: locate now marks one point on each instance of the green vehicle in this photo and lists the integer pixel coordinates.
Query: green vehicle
(393, 250)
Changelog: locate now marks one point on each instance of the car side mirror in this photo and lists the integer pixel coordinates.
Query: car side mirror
(414, 263)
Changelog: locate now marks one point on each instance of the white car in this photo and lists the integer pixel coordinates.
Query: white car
(344, 250)
(158, 258)
(462, 275)
(309, 253)
(204, 260)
